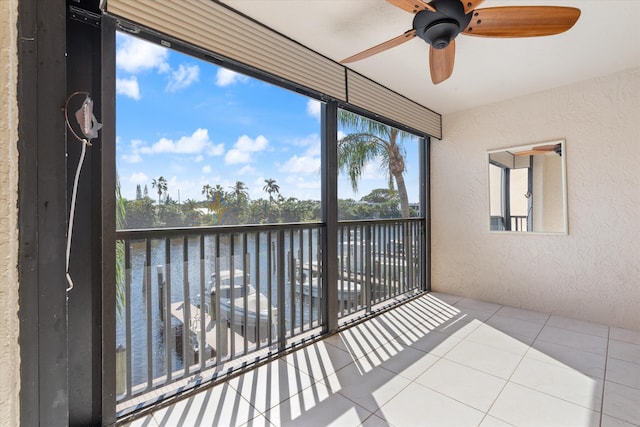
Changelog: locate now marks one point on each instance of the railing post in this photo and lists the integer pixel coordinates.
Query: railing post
(367, 266)
(280, 279)
(121, 370)
(161, 299)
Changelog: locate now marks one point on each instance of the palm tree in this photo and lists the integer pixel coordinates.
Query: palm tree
(161, 185)
(217, 192)
(372, 141)
(239, 191)
(191, 213)
(271, 187)
(206, 190)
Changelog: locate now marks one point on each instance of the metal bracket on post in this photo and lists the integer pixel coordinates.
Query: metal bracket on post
(82, 15)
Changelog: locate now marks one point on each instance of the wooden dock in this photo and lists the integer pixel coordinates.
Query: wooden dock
(177, 311)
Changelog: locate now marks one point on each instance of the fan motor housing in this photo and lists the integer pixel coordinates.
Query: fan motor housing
(440, 27)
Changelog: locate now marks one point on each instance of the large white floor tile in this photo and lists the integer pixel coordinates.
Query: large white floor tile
(317, 406)
(319, 360)
(437, 360)
(526, 315)
(511, 342)
(374, 421)
(445, 299)
(435, 343)
(394, 323)
(220, 405)
(418, 312)
(515, 327)
(259, 421)
(419, 406)
(476, 305)
(524, 407)
(626, 335)
(573, 339)
(459, 326)
(271, 384)
(608, 421)
(559, 381)
(625, 351)
(579, 326)
(147, 421)
(409, 363)
(490, 421)
(467, 385)
(591, 364)
(484, 358)
(623, 372)
(480, 315)
(621, 402)
(370, 390)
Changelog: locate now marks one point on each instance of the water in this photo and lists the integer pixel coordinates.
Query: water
(197, 271)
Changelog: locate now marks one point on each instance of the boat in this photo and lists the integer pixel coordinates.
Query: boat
(307, 281)
(245, 310)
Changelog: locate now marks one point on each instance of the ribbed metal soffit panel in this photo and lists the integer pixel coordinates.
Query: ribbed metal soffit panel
(219, 30)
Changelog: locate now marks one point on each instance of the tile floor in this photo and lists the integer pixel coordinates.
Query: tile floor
(438, 360)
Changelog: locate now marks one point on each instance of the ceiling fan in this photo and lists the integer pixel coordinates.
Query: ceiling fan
(440, 21)
(541, 149)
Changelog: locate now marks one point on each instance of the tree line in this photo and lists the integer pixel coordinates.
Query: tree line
(367, 141)
(233, 206)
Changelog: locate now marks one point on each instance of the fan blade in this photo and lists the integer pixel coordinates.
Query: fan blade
(540, 149)
(469, 5)
(529, 153)
(441, 62)
(546, 147)
(521, 21)
(412, 6)
(381, 47)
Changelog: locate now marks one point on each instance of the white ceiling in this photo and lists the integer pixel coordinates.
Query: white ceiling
(604, 40)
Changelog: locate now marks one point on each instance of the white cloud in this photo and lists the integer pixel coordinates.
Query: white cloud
(134, 55)
(312, 143)
(206, 169)
(215, 150)
(196, 143)
(128, 87)
(138, 178)
(183, 77)
(372, 171)
(244, 148)
(132, 158)
(199, 158)
(313, 108)
(305, 165)
(301, 183)
(226, 77)
(235, 156)
(247, 170)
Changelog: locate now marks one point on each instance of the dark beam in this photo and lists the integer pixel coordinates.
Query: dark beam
(84, 72)
(330, 213)
(42, 213)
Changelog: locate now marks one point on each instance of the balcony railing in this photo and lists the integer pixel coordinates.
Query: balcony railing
(193, 299)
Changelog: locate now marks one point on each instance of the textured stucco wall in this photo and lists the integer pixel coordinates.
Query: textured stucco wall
(9, 350)
(592, 273)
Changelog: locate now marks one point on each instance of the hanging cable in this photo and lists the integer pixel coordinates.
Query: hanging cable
(89, 127)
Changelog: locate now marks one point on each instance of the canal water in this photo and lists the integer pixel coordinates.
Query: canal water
(187, 262)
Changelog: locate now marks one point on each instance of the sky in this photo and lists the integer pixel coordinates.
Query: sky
(195, 123)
